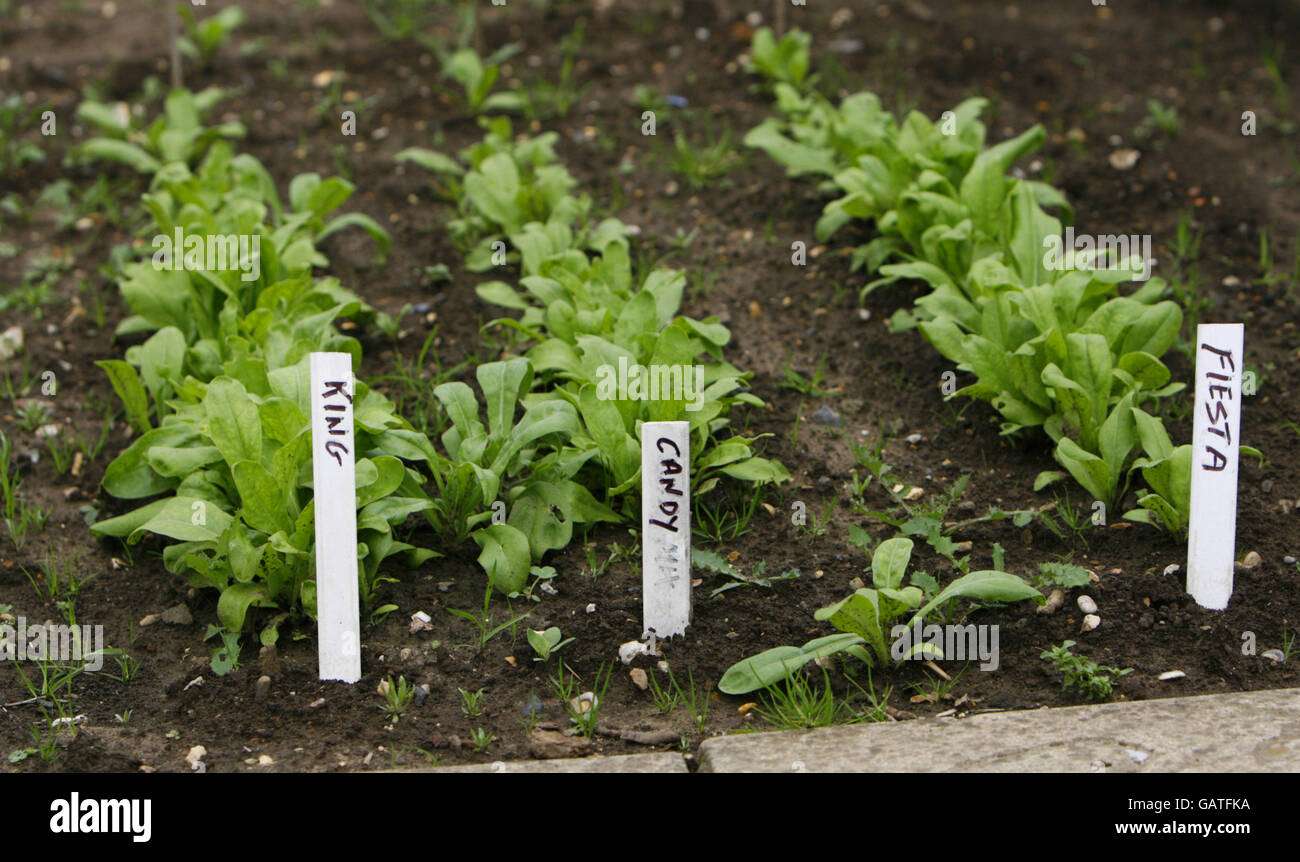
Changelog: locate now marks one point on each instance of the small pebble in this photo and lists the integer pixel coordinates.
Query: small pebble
(1086, 604)
(262, 690)
(1172, 569)
(824, 415)
(1125, 159)
(1171, 674)
(1090, 622)
(1289, 560)
(639, 678)
(913, 439)
(591, 608)
(421, 695)
(1274, 655)
(1250, 561)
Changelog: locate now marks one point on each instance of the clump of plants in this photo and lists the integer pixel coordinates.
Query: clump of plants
(1092, 680)
(869, 618)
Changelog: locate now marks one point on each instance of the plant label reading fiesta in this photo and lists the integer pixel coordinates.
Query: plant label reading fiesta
(338, 610)
(666, 527)
(1212, 531)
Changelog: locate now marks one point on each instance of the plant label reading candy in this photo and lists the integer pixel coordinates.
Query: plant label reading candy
(338, 611)
(666, 527)
(1212, 531)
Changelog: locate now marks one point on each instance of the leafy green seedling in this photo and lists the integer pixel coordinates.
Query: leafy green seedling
(867, 616)
(397, 697)
(1090, 679)
(546, 643)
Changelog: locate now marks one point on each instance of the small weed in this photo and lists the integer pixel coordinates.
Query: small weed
(397, 697)
(471, 702)
(697, 701)
(481, 739)
(1093, 681)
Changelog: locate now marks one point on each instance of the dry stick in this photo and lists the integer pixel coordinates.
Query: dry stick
(173, 20)
(934, 667)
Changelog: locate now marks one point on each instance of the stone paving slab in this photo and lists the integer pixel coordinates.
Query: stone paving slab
(638, 763)
(1243, 732)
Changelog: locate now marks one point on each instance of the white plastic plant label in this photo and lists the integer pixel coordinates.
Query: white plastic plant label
(1216, 444)
(666, 527)
(338, 611)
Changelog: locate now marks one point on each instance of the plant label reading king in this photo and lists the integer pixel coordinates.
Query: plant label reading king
(666, 527)
(338, 605)
(1216, 417)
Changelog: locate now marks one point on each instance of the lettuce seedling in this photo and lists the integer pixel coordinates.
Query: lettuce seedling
(870, 613)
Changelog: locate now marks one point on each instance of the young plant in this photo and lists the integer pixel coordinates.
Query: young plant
(546, 643)
(484, 624)
(869, 614)
(1090, 679)
(397, 697)
(471, 702)
(203, 39)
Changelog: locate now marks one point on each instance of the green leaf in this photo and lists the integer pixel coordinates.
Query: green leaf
(889, 562)
(504, 555)
(127, 385)
(988, 585)
(771, 666)
(233, 422)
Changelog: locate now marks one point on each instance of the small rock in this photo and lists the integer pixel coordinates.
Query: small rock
(549, 588)
(1289, 560)
(1274, 655)
(11, 342)
(914, 494)
(553, 745)
(1090, 622)
(1124, 159)
(1171, 674)
(1172, 569)
(639, 678)
(444, 586)
(913, 439)
(1248, 562)
(317, 703)
(1146, 621)
(533, 707)
(864, 314)
(824, 415)
(591, 607)
(585, 702)
(420, 696)
(149, 619)
(265, 760)
(1053, 603)
(671, 189)
(421, 622)
(1086, 604)
(825, 485)
(177, 616)
(262, 690)
(1266, 486)
(629, 651)
(195, 759)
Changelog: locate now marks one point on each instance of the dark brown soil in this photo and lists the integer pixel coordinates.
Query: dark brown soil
(1071, 66)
